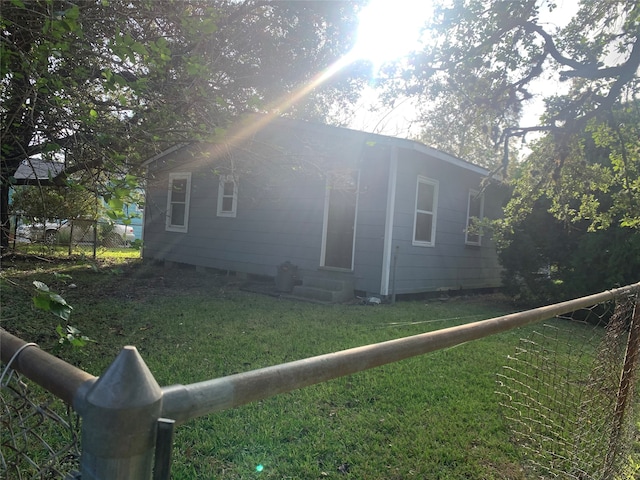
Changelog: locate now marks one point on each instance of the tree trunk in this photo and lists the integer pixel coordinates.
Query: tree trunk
(4, 218)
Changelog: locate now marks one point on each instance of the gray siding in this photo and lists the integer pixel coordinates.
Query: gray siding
(273, 223)
(450, 264)
(280, 209)
(372, 205)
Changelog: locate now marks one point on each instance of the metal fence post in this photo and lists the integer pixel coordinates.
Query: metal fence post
(119, 421)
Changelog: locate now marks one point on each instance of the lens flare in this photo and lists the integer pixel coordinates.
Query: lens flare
(259, 468)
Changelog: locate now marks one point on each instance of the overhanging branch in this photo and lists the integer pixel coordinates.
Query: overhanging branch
(510, 132)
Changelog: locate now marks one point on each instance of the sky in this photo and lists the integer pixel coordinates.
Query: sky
(401, 21)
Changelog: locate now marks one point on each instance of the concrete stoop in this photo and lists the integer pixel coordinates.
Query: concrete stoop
(325, 287)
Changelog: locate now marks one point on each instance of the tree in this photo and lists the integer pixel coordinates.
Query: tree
(546, 260)
(48, 203)
(98, 85)
(484, 57)
(577, 223)
(464, 130)
(579, 189)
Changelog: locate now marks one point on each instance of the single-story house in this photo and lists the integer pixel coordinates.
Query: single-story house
(373, 213)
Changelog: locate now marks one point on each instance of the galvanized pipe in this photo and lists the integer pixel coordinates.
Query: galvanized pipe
(164, 449)
(119, 421)
(120, 410)
(55, 375)
(184, 402)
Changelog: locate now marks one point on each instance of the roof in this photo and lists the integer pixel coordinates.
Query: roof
(38, 169)
(261, 121)
(164, 153)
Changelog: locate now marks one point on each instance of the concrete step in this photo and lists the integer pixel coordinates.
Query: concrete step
(325, 287)
(312, 293)
(327, 283)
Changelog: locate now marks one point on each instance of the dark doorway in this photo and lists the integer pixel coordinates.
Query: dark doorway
(340, 219)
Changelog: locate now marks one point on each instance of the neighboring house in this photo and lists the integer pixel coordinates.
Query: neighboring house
(34, 170)
(382, 215)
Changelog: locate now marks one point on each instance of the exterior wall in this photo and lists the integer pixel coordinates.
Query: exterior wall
(372, 204)
(281, 201)
(272, 225)
(450, 264)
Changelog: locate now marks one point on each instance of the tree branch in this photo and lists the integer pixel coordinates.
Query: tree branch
(591, 71)
(550, 47)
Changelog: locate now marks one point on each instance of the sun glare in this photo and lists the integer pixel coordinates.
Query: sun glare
(390, 29)
(387, 30)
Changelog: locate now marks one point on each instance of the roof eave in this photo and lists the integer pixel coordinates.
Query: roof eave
(164, 153)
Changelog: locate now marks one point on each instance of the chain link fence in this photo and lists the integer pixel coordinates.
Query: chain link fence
(568, 392)
(74, 237)
(39, 433)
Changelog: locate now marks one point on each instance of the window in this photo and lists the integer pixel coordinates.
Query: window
(227, 196)
(475, 212)
(424, 226)
(178, 202)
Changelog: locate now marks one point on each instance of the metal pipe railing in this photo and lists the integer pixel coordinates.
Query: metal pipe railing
(55, 375)
(119, 410)
(184, 402)
(122, 408)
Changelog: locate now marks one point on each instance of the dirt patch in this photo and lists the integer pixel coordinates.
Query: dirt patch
(103, 278)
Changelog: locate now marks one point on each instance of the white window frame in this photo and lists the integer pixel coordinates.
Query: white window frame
(221, 196)
(434, 213)
(473, 194)
(169, 226)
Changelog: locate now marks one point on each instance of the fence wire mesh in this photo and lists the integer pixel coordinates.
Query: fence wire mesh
(567, 392)
(77, 237)
(39, 434)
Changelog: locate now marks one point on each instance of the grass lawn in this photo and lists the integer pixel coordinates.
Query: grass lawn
(79, 251)
(430, 417)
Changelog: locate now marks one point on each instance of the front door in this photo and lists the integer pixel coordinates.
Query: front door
(340, 219)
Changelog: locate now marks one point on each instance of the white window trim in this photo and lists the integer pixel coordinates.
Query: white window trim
(169, 227)
(234, 204)
(473, 194)
(434, 213)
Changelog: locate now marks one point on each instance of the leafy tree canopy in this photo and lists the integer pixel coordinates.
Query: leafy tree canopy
(99, 84)
(577, 223)
(43, 204)
(596, 179)
(482, 59)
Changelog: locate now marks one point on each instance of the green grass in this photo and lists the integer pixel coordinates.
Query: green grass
(78, 251)
(436, 416)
